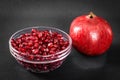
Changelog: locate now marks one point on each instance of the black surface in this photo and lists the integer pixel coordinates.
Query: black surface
(18, 14)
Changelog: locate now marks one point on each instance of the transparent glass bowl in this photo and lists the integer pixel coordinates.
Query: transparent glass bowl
(48, 62)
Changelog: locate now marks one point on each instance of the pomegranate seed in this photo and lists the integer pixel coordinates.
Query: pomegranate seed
(42, 49)
(20, 45)
(30, 43)
(63, 47)
(35, 51)
(52, 52)
(53, 48)
(50, 45)
(19, 40)
(35, 38)
(22, 49)
(66, 43)
(36, 45)
(39, 34)
(55, 45)
(44, 53)
(55, 41)
(31, 57)
(23, 35)
(59, 36)
(33, 30)
(26, 34)
(43, 38)
(39, 43)
(25, 43)
(46, 50)
(14, 44)
(46, 40)
(54, 34)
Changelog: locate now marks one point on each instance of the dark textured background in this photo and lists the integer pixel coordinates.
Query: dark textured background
(18, 14)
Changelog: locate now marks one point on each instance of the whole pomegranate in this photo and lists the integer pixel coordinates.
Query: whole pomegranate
(91, 35)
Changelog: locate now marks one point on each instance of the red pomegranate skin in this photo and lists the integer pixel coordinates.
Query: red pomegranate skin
(91, 34)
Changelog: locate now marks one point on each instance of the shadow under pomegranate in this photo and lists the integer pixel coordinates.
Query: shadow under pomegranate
(85, 62)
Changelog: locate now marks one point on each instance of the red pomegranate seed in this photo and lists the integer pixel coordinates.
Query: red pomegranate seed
(30, 43)
(31, 57)
(34, 34)
(55, 41)
(26, 34)
(53, 48)
(44, 53)
(55, 45)
(59, 36)
(52, 52)
(63, 47)
(36, 45)
(66, 43)
(35, 51)
(22, 49)
(50, 45)
(33, 30)
(46, 50)
(20, 45)
(39, 34)
(42, 49)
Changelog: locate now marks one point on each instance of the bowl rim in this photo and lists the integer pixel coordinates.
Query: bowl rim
(43, 27)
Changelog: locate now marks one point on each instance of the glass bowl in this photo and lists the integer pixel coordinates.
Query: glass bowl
(42, 63)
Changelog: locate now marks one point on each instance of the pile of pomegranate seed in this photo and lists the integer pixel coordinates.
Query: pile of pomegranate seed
(38, 43)
(41, 67)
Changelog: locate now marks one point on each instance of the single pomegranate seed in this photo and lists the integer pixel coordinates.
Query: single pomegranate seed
(26, 34)
(23, 38)
(53, 48)
(39, 34)
(30, 43)
(36, 41)
(43, 38)
(66, 43)
(35, 51)
(46, 40)
(50, 45)
(55, 41)
(44, 53)
(63, 47)
(14, 44)
(42, 49)
(40, 42)
(25, 43)
(23, 35)
(54, 34)
(19, 40)
(34, 34)
(36, 45)
(46, 50)
(59, 36)
(52, 52)
(20, 45)
(22, 49)
(33, 30)
(31, 57)
(55, 45)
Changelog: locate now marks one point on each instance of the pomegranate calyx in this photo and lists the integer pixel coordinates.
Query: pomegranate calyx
(91, 15)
